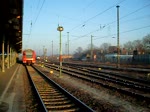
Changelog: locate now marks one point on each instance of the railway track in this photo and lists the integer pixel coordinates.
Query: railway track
(131, 88)
(123, 77)
(108, 67)
(141, 68)
(51, 96)
(116, 77)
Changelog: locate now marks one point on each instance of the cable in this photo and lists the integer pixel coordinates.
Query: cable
(135, 29)
(137, 18)
(31, 24)
(119, 19)
(130, 14)
(97, 15)
(124, 32)
(134, 11)
(116, 34)
(39, 12)
(89, 4)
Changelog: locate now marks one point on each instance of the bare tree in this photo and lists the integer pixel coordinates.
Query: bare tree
(105, 47)
(146, 43)
(138, 44)
(146, 39)
(78, 52)
(129, 47)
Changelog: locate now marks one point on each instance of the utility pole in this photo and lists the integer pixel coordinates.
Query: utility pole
(118, 46)
(44, 52)
(3, 54)
(91, 48)
(68, 45)
(52, 49)
(66, 49)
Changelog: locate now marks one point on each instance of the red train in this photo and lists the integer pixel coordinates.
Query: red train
(28, 57)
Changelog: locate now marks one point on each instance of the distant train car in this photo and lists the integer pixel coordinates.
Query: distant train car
(28, 57)
(123, 58)
(141, 59)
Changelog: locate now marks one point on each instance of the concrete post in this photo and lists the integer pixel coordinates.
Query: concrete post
(3, 58)
(8, 61)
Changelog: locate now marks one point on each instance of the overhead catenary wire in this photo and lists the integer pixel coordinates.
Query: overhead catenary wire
(114, 33)
(78, 37)
(31, 24)
(89, 4)
(124, 32)
(115, 20)
(96, 15)
(145, 6)
(39, 12)
(34, 22)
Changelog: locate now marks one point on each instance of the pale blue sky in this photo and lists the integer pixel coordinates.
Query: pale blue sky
(83, 18)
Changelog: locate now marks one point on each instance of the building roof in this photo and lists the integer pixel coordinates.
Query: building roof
(11, 24)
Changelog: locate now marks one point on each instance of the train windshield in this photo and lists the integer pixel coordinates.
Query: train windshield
(28, 54)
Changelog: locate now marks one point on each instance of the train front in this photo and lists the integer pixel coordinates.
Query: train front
(29, 57)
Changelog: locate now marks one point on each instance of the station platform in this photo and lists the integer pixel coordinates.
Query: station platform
(12, 89)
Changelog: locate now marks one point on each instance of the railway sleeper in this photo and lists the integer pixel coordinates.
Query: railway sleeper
(59, 107)
(57, 103)
(68, 110)
(51, 96)
(54, 99)
(48, 92)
